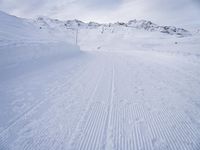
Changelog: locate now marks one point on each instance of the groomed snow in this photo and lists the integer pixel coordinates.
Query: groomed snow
(133, 91)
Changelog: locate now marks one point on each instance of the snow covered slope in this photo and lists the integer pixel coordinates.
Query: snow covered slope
(104, 101)
(137, 88)
(136, 34)
(25, 49)
(21, 43)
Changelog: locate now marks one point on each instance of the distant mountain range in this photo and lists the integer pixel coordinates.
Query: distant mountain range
(44, 22)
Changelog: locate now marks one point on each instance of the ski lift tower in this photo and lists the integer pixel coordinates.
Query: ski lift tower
(76, 36)
(75, 33)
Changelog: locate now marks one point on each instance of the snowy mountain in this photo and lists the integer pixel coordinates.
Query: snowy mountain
(136, 34)
(149, 26)
(44, 22)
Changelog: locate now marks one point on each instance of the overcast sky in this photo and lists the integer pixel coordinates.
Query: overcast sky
(159, 11)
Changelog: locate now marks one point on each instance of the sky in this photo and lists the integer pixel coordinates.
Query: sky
(170, 12)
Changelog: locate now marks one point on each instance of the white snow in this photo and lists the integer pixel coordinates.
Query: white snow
(127, 88)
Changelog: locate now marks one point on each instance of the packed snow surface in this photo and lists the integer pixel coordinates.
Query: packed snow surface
(130, 89)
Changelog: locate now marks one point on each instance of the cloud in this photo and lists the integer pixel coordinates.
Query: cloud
(159, 11)
(179, 12)
(101, 4)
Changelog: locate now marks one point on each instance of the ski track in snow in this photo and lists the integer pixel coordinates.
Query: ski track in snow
(109, 101)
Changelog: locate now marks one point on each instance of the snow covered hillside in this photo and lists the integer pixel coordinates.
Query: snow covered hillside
(132, 86)
(21, 43)
(136, 34)
(25, 49)
(132, 26)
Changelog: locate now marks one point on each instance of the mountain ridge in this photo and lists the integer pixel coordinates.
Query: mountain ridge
(44, 22)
